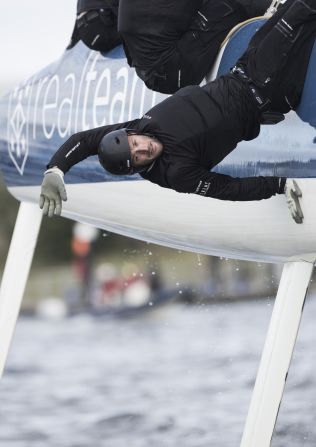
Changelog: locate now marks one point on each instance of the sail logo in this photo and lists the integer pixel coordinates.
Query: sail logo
(18, 129)
(49, 107)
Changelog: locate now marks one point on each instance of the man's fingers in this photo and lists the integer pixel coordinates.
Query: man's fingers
(63, 193)
(45, 206)
(299, 211)
(41, 201)
(51, 208)
(53, 191)
(296, 210)
(297, 190)
(297, 206)
(297, 218)
(58, 207)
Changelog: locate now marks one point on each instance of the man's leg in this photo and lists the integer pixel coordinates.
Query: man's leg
(280, 51)
(196, 50)
(150, 30)
(98, 29)
(193, 54)
(200, 45)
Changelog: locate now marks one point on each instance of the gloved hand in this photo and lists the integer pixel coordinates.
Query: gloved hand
(293, 193)
(53, 191)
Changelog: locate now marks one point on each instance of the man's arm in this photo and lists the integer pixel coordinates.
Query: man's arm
(78, 147)
(82, 145)
(199, 180)
(224, 187)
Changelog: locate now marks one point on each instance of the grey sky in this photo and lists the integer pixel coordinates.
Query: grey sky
(33, 34)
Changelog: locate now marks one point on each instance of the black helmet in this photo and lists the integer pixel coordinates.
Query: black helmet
(114, 153)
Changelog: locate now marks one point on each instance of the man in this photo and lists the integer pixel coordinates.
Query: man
(96, 25)
(178, 141)
(173, 43)
(170, 43)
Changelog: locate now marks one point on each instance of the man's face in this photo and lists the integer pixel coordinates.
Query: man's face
(144, 149)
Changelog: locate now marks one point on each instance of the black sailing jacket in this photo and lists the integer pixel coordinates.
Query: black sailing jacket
(198, 127)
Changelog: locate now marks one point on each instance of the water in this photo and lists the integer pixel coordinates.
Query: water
(181, 378)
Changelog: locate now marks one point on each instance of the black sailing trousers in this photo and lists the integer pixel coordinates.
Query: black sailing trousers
(96, 25)
(277, 57)
(174, 43)
(98, 30)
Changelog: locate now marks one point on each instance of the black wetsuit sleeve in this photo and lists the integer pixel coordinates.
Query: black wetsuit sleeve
(219, 186)
(82, 145)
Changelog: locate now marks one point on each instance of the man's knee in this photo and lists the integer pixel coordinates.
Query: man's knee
(98, 30)
(165, 78)
(218, 16)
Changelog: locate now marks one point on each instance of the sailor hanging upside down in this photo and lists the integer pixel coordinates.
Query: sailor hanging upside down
(178, 142)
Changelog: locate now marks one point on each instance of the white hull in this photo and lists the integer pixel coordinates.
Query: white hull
(258, 231)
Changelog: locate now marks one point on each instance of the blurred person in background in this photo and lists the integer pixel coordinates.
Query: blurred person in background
(83, 251)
